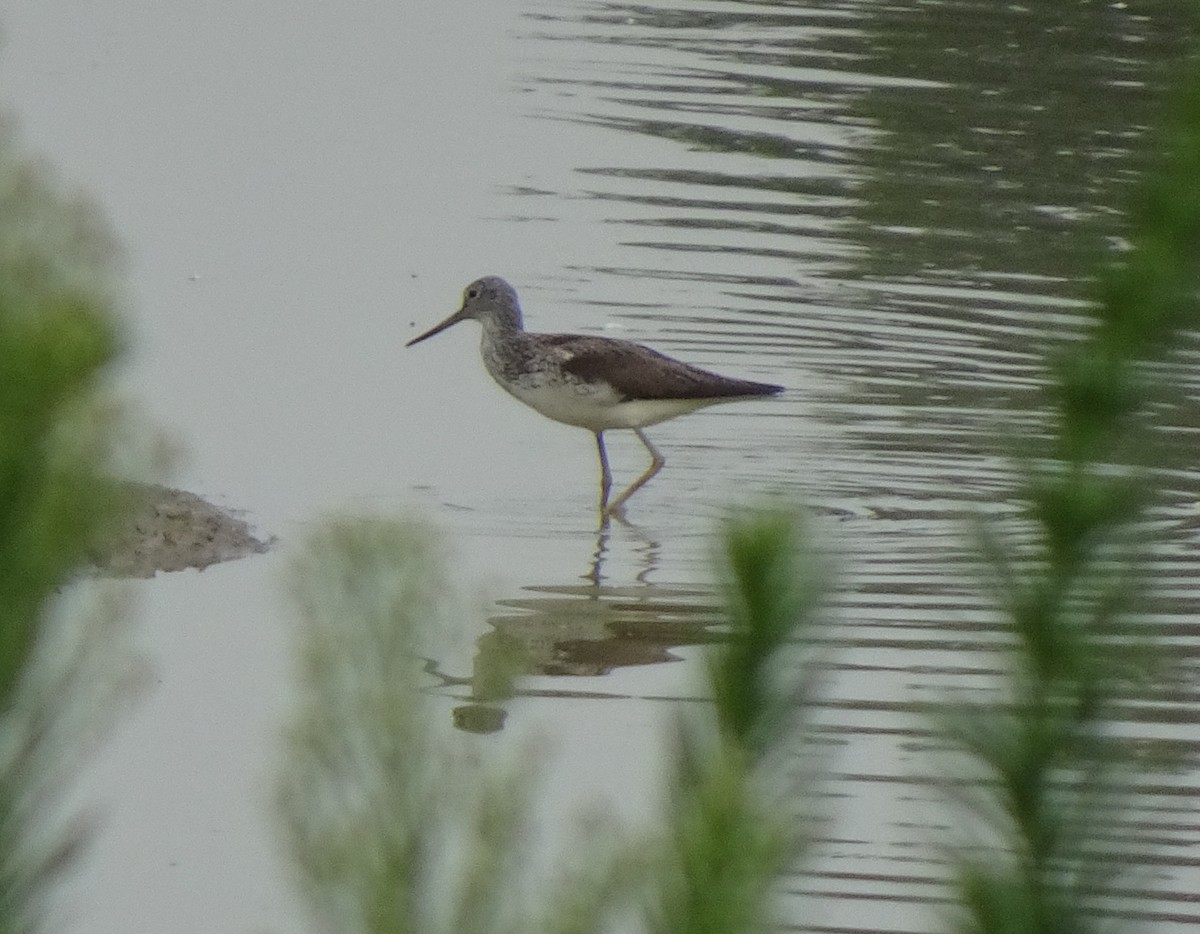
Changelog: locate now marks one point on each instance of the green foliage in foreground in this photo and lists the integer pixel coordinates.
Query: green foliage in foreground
(1055, 777)
(391, 829)
(394, 827)
(56, 337)
(728, 840)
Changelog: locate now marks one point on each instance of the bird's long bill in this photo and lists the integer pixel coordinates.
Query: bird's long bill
(437, 328)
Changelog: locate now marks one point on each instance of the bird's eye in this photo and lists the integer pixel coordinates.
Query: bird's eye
(472, 293)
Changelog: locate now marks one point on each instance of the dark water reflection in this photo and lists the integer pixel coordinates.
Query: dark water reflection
(894, 209)
(584, 630)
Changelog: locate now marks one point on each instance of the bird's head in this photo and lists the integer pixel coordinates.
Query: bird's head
(490, 301)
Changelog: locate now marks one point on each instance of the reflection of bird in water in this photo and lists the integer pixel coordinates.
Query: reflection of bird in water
(597, 383)
(578, 630)
(569, 632)
(646, 548)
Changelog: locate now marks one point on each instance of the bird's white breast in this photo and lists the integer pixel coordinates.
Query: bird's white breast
(596, 406)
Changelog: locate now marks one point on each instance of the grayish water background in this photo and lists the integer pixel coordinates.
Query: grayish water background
(886, 207)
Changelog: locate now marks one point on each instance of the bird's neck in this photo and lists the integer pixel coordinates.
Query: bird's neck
(500, 327)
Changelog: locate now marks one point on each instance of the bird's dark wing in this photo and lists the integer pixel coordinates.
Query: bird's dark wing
(637, 372)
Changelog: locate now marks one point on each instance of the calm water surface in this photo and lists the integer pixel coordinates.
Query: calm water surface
(890, 208)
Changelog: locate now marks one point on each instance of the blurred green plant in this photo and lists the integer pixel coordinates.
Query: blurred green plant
(61, 667)
(734, 796)
(394, 827)
(390, 829)
(1051, 770)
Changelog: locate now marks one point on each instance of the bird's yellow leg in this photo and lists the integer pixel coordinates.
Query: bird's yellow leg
(656, 464)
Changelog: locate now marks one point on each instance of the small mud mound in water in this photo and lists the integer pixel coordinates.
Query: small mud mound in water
(171, 530)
